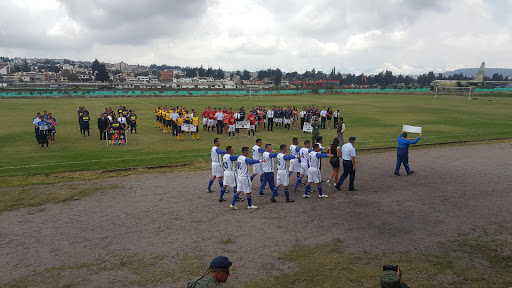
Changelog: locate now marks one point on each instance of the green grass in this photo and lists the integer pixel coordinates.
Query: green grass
(374, 119)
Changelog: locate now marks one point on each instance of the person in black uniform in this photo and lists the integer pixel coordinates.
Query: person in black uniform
(102, 126)
(133, 121)
(85, 123)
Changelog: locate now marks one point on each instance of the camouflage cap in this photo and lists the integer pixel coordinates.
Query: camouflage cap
(389, 279)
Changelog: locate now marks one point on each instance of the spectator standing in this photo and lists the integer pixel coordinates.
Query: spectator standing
(329, 117)
(336, 116)
(348, 153)
(340, 130)
(323, 116)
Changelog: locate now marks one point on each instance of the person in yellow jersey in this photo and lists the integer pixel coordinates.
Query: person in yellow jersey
(179, 122)
(195, 122)
(168, 122)
(85, 123)
(156, 112)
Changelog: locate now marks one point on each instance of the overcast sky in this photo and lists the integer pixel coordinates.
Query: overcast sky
(405, 36)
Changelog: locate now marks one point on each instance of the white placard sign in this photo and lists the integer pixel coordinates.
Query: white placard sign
(412, 129)
(307, 128)
(188, 128)
(242, 125)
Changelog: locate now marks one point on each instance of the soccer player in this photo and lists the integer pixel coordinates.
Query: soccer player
(216, 164)
(243, 181)
(157, 120)
(133, 121)
(283, 178)
(295, 163)
(268, 167)
(314, 174)
(195, 122)
(232, 123)
(168, 121)
(43, 126)
(179, 121)
(52, 131)
(205, 118)
(229, 173)
(257, 169)
(211, 119)
(304, 152)
(252, 122)
(85, 123)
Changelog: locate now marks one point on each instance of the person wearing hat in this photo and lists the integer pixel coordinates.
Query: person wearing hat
(392, 279)
(348, 154)
(216, 274)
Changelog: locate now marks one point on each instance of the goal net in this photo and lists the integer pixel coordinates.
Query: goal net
(462, 92)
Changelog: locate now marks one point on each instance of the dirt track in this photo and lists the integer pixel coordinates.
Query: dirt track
(455, 189)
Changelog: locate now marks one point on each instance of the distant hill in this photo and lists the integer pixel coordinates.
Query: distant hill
(488, 72)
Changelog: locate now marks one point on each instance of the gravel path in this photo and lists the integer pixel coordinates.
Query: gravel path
(456, 189)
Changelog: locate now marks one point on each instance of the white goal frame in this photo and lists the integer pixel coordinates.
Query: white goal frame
(469, 89)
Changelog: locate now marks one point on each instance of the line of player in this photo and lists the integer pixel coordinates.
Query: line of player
(305, 162)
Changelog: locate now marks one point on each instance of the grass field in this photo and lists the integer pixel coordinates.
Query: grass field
(374, 119)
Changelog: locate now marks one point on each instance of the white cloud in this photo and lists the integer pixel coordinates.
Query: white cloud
(404, 36)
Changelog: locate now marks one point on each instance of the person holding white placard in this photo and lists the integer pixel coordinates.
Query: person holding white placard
(402, 154)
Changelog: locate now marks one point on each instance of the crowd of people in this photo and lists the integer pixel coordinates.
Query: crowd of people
(44, 127)
(177, 121)
(123, 119)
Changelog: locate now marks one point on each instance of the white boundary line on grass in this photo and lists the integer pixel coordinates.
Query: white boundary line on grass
(96, 160)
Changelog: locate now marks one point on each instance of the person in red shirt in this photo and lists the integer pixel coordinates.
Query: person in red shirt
(212, 120)
(205, 115)
(225, 121)
(252, 122)
(232, 123)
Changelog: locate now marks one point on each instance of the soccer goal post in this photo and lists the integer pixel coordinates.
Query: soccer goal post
(454, 91)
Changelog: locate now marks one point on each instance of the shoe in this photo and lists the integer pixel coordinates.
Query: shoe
(229, 137)
(273, 200)
(233, 207)
(294, 189)
(252, 207)
(398, 174)
(240, 199)
(290, 200)
(337, 187)
(261, 194)
(412, 172)
(209, 191)
(352, 189)
(323, 196)
(233, 137)
(222, 200)
(329, 183)
(306, 196)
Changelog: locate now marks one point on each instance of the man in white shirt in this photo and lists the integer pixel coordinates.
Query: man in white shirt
(314, 174)
(243, 179)
(268, 167)
(238, 117)
(217, 171)
(348, 154)
(228, 162)
(35, 121)
(220, 117)
(323, 115)
(302, 117)
(283, 178)
(122, 120)
(336, 116)
(304, 152)
(270, 116)
(257, 169)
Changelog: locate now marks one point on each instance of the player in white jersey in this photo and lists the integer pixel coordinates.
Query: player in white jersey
(314, 174)
(268, 168)
(243, 180)
(229, 173)
(257, 169)
(295, 163)
(304, 152)
(217, 172)
(283, 178)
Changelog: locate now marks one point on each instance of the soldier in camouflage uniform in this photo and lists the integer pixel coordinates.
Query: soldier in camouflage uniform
(216, 274)
(392, 279)
(316, 129)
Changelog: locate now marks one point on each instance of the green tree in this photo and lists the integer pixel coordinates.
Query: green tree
(95, 65)
(102, 74)
(245, 75)
(25, 67)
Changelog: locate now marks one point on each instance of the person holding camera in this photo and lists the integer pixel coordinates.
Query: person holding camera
(392, 277)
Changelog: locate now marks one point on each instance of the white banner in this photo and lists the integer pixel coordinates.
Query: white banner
(188, 128)
(242, 125)
(307, 128)
(278, 120)
(411, 129)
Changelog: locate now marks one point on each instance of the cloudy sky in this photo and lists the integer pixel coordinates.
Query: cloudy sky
(405, 36)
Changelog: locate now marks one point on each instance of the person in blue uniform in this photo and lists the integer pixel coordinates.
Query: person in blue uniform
(402, 154)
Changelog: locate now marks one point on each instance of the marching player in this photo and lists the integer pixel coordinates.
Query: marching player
(133, 121)
(243, 181)
(295, 163)
(304, 152)
(314, 174)
(85, 123)
(283, 178)
(179, 121)
(257, 169)
(216, 164)
(268, 167)
(229, 173)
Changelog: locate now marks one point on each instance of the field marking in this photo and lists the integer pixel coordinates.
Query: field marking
(96, 160)
(145, 102)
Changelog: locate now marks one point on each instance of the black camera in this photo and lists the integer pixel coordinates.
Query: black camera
(390, 268)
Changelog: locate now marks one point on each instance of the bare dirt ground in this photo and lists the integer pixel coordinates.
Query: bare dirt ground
(456, 189)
